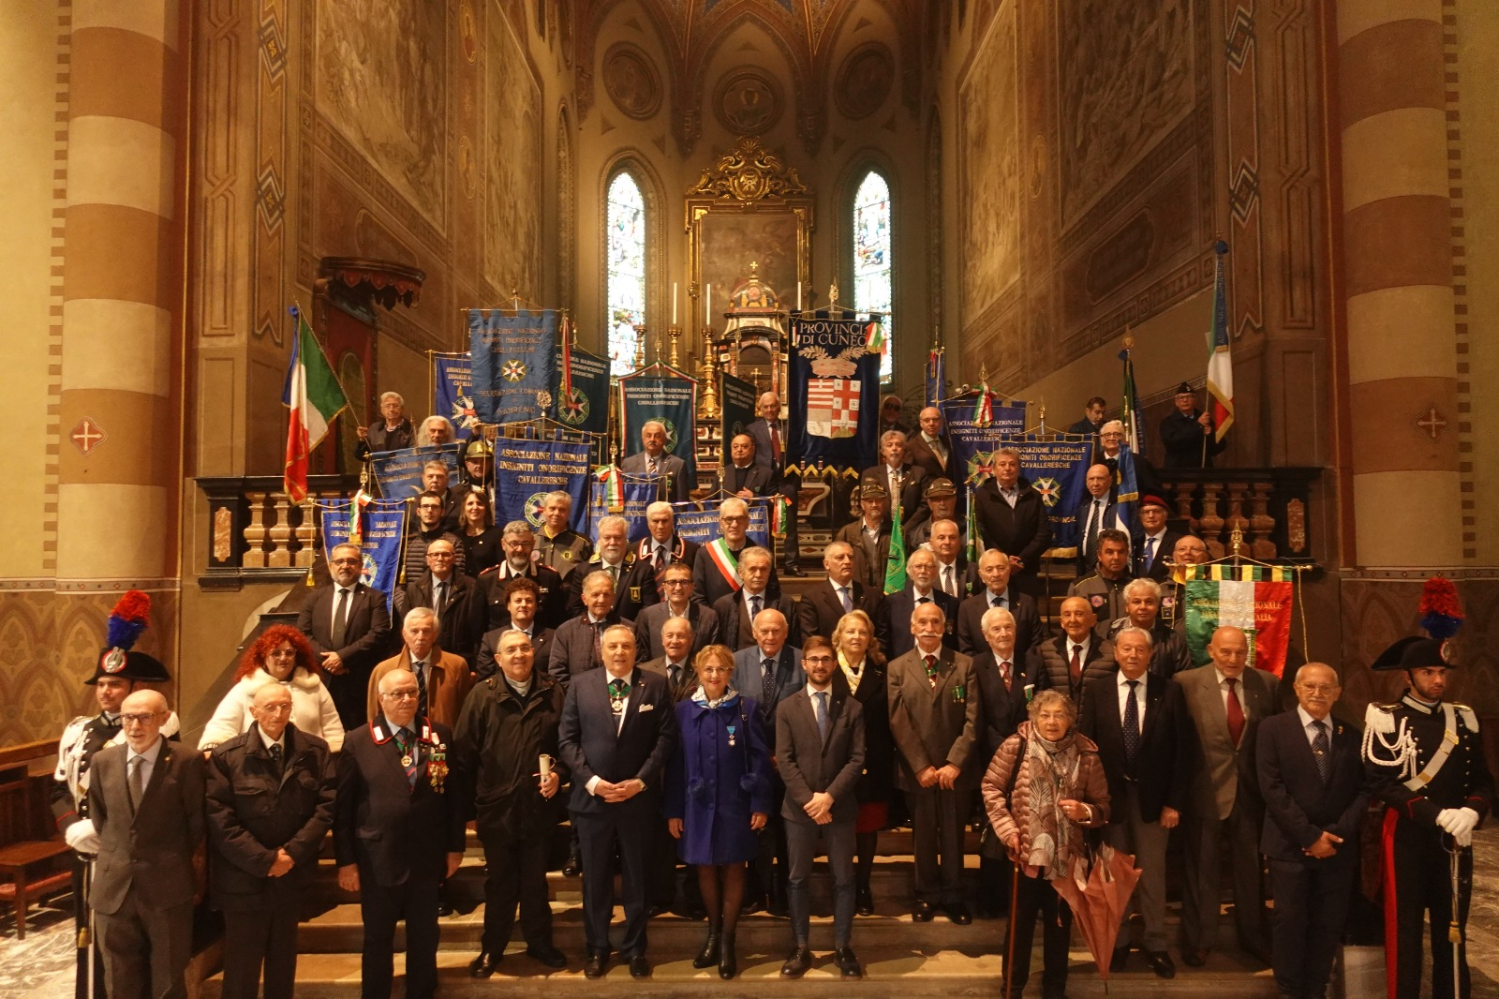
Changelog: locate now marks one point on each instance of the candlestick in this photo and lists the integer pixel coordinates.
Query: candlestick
(708, 306)
(673, 303)
(798, 296)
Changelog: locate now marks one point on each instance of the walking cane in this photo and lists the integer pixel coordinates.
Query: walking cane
(1010, 935)
(1454, 930)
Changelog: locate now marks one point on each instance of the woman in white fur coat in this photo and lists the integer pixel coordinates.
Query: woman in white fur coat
(280, 655)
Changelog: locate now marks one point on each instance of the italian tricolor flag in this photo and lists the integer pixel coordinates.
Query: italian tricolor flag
(1254, 598)
(313, 395)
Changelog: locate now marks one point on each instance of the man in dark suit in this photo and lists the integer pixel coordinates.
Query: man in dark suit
(996, 573)
(768, 672)
(928, 447)
(611, 555)
(1188, 433)
(577, 647)
(1227, 702)
(146, 802)
(678, 649)
(518, 542)
(921, 588)
(397, 833)
(819, 755)
(770, 451)
(1311, 779)
(1092, 418)
(269, 805)
(618, 731)
(1069, 662)
(521, 596)
(955, 576)
(934, 717)
(1145, 741)
(676, 580)
(869, 536)
(654, 461)
(715, 568)
(509, 725)
(348, 625)
(455, 598)
(736, 611)
(901, 478)
(824, 603)
(1096, 513)
(1012, 518)
(741, 475)
(1157, 542)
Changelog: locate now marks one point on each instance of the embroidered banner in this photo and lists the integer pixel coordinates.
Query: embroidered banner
(586, 408)
(399, 473)
(514, 362)
(736, 397)
(1255, 598)
(663, 394)
(834, 393)
(699, 521)
(382, 528)
(453, 392)
(526, 470)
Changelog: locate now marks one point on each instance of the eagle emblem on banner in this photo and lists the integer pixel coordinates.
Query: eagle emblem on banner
(833, 407)
(513, 371)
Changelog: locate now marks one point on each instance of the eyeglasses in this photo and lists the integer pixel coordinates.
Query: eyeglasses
(715, 670)
(439, 554)
(817, 659)
(281, 654)
(346, 561)
(1317, 688)
(138, 719)
(676, 582)
(405, 694)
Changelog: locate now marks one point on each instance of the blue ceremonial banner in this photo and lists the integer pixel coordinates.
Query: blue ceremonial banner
(382, 529)
(834, 394)
(399, 473)
(514, 359)
(661, 392)
(636, 491)
(453, 392)
(587, 408)
(526, 470)
(971, 443)
(1057, 470)
(699, 521)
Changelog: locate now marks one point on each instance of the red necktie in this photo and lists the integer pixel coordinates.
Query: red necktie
(1235, 714)
(775, 443)
(1004, 671)
(1077, 664)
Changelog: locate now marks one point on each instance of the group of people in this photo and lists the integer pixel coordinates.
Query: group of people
(680, 711)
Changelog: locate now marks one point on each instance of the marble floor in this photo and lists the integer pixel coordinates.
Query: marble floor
(41, 966)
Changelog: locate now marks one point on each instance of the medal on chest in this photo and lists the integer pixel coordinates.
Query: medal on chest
(731, 729)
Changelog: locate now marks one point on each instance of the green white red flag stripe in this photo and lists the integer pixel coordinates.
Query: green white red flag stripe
(314, 397)
(1220, 357)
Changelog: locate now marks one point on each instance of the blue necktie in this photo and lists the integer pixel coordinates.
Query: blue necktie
(1322, 750)
(1149, 557)
(1131, 723)
(821, 705)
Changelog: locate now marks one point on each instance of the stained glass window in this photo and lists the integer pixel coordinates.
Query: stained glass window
(873, 288)
(626, 291)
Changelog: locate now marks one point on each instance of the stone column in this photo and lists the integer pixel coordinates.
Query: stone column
(122, 295)
(1397, 243)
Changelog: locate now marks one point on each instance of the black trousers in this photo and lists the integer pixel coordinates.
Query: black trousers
(1418, 880)
(86, 955)
(349, 692)
(937, 821)
(1036, 897)
(598, 836)
(256, 937)
(382, 907)
(517, 876)
(1202, 892)
(1311, 912)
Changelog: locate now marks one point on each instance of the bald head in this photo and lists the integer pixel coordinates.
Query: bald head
(143, 713)
(271, 709)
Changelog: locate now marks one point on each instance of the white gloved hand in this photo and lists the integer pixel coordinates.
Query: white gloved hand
(82, 837)
(1463, 824)
(1445, 819)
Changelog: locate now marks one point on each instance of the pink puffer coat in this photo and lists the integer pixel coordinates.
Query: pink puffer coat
(1092, 789)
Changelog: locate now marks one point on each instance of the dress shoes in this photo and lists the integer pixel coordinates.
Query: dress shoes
(864, 902)
(1160, 962)
(708, 956)
(1195, 957)
(797, 963)
(752, 905)
(657, 909)
(597, 964)
(728, 961)
(574, 865)
(795, 570)
(848, 965)
(444, 909)
(483, 966)
(548, 955)
(1120, 959)
(922, 912)
(958, 914)
(640, 967)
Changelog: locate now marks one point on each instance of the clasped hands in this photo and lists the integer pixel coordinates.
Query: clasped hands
(944, 776)
(615, 793)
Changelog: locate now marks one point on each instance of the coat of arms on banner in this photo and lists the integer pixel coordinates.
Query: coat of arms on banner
(833, 407)
(463, 415)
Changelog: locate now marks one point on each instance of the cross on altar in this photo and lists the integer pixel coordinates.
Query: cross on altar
(1432, 423)
(86, 436)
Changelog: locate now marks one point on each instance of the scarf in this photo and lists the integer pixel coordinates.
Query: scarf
(730, 695)
(1053, 770)
(850, 673)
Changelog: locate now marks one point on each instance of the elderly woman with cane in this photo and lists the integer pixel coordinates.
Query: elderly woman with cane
(1044, 787)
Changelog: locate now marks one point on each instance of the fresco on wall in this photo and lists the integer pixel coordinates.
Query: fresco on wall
(1126, 78)
(989, 182)
(512, 203)
(731, 242)
(381, 82)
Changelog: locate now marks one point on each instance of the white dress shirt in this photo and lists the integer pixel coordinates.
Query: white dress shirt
(1307, 729)
(1139, 696)
(1239, 689)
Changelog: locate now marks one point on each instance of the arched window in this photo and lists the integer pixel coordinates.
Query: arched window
(873, 288)
(626, 269)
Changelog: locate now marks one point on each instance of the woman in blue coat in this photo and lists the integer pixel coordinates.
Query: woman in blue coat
(718, 795)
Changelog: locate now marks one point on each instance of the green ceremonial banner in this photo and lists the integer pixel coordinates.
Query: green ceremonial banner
(1255, 598)
(737, 398)
(895, 565)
